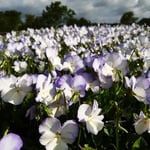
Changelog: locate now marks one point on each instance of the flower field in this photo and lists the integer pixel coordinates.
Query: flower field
(71, 88)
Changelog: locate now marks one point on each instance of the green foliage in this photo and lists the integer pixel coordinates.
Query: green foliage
(57, 14)
(140, 143)
(128, 18)
(10, 20)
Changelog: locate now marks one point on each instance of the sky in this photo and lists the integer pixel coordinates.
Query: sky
(100, 11)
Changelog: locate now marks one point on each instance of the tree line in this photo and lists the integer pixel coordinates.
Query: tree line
(54, 15)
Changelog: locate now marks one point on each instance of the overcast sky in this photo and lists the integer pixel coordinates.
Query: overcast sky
(108, 11)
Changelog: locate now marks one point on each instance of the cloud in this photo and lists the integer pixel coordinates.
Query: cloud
(94, 10)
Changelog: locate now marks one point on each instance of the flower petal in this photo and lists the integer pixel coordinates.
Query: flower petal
(50, 124)
(84, 112)
(94, 125)
(11, 141)
(69, 131)
(56, 145)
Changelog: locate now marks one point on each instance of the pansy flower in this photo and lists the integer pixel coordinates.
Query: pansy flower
(14, 89)
(91, 116)
(142, 124)
(56, 136)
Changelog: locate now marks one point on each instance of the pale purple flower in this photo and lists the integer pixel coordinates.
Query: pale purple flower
(56, 136)
(105, 80)
(73, 63)
(71, 85)
(113, 63)
(11, 141)
(108, 68)
(142, 124)
(92, 82)
(140, 87)
(98, 63)
(90, 58)
(91, 116)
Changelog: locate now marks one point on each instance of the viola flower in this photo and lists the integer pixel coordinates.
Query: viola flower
(90, 115)
(71, 85)
(73, 63)
(142, 124)
(140, 88)
(107, 68)
(11, 141)
(20, 66)
(113, 62)
(46, 90)
(58, 107)
(52, 55)
(92, 82)
(14, 89)
(56, 137)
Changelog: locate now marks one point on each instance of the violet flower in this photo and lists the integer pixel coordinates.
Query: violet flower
(11, 141)
(71, 85)
(73, 63)
(113, 62)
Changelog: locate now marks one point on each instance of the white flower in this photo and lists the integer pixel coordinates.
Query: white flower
(90, 115)
(56, 137)
(14, 89)
(20, 66)
(46, 90)
(140, 88)
(142, 124)
(52, 55)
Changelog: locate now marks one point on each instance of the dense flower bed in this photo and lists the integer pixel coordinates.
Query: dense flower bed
(75, 88)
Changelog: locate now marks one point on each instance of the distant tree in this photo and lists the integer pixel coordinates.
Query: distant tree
(144, 21)
(10, 20)
(29, 20)
(79, 22)
(39, 22)
(56, 14)
(128, 18)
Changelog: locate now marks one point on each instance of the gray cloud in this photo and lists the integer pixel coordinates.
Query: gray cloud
(94, 10)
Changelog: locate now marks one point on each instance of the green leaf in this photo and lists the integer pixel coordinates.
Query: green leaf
(139, 143)
(123, 129)
(86, 147)
(106, 131)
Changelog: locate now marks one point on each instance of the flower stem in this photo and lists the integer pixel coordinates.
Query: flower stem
(117, 127)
